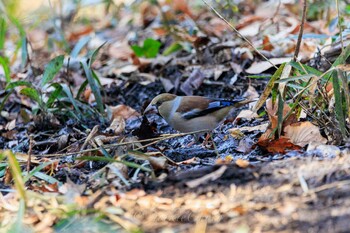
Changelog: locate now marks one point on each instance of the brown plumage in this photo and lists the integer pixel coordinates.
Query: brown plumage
(193, 113)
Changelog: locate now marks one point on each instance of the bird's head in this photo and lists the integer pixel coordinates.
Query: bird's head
(158, 100)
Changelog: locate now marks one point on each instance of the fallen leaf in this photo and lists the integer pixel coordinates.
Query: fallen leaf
(267, 43)
(193, 82)
(242, 163)
(236, 133)
(117, 126)
(245, 145)
(261, 66)
(124, 111)
(281, 145)
(247, 114)
(303, 133)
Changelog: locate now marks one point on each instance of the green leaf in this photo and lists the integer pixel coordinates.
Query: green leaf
(280, 114)
(94, 87)
(340, 60)
(150, 48)
(24, 50)
(54, 94)
(52, 69)
(5, 65)
(31, 93)
(111, 160)
(339, 111)
(35, 170)
(71, 98)
(47, 178)
(302, 68)
(174, 47)
(82, 88)
(80, 44)
(302, 77)
(268, 89)
(3, 28)
(137, 50)
(17, 84)
(16, 173)
(94, 54)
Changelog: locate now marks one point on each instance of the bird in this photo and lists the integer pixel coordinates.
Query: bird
(193, 113)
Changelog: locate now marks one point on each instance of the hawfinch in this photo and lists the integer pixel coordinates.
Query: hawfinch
(193, 113)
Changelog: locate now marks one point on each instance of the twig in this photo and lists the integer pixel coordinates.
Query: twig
(329, 186)
(239, 34)
(30, 153)
(301, 31)
(152, 140)
(339, 25)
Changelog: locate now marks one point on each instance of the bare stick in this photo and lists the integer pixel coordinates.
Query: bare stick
(339, 25)
(300, 36)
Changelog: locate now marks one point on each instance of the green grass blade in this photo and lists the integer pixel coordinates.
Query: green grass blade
(18, 84)
(54, 95)
(94, 54)
(110, 160)
(339, 113)
(94, 87)
(71, 98)
(3, 28)
(16, 174)
(266, 93)
(5, 65)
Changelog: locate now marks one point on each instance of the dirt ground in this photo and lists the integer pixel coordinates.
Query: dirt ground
(304, 194)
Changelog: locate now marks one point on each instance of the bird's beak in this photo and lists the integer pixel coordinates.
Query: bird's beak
(150, 109)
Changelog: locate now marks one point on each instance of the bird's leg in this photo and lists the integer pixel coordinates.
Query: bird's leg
(195, 140)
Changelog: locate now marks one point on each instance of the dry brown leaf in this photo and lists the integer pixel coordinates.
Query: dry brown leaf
(242, 163)
(158, 163)
(281, 145)
(124, 111)
(236, 133)
(272, 109)
(245, 145)
(227, 160)
(303, 133)
(120, 51)
(193, 82)
(267, 43)
(117, 126)
(247, 114)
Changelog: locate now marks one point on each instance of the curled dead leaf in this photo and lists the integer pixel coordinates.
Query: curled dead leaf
(124, 111)
(117, 126)
(303, 133)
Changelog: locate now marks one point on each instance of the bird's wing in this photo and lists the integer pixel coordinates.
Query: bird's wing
(193, 107)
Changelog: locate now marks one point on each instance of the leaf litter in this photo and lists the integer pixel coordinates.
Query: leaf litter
(84, 157)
